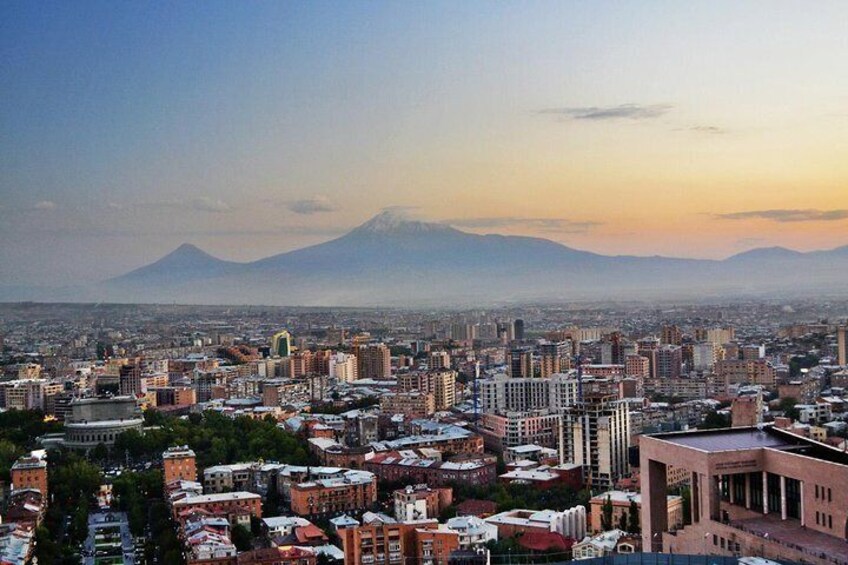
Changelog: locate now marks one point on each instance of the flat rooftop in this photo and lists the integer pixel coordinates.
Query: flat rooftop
(726, 440)
(769, 437)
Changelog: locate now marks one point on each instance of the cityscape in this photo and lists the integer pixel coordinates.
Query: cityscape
(436, 283)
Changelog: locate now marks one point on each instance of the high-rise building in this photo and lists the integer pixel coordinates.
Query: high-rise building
(553, 358)
(440, 383)
(281, 344)
(597, 436)
(518, 331)
(637, 366)
(669, 360)
(374, 361)
(842, 345)
(342, 367)
(671, 335)
(520, 363)
(439, 360)
(129, 381)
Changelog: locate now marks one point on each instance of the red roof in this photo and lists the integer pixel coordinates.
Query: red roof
(474, 507)
(544, 541)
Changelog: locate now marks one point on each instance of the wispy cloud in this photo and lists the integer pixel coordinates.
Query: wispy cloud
(198, 204)
(44, 205)
(558, 225)
(709, 130)
(788, 215)
(621, 112)
(309, 206)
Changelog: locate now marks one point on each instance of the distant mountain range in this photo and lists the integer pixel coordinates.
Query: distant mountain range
(392, 261)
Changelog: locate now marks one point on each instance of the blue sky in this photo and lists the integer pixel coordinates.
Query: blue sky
(251, 128)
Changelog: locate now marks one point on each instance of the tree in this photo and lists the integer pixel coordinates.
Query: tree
(633, 526)
(714, 420)
(606, 514)
(622, 521)
(686, 495)
(788, 407)
(242, 538)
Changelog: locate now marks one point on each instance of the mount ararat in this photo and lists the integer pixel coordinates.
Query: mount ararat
(393, 261)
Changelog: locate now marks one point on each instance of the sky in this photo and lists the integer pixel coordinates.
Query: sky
(690, 129)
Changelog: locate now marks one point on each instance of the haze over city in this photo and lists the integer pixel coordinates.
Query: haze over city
(695, 130)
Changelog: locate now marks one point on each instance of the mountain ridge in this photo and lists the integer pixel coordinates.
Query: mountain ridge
(393, 260)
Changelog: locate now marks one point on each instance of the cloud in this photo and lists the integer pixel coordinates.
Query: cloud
(311, 205)
(44, 205)
(711, 130)
(621, 112)
(558, 225)
(203, 204)
(790, 215)
(198, 204)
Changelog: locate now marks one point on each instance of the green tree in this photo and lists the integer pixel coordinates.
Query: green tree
(622, 521)
(633, 525)
(715, 420)
(606, 514)
(242, 538)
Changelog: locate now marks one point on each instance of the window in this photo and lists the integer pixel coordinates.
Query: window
(829, 495)
(830, 521)
(817, 517)
(817, 492)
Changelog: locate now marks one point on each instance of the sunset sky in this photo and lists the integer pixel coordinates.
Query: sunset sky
(697, 129)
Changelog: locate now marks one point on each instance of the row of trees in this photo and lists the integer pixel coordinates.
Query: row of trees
(627, 521)
(215, 438)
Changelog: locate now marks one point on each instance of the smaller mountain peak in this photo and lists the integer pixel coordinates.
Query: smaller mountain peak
(775, 252)
(188, 250)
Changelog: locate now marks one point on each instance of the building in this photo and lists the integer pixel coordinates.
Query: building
(410, 404)
(382, 541)
(502, 394)
(747, 410)
(285, 555)
(669, 359)
(356, 490)
(842, 345)
(281, 344)
(553, 358)
(440, 383)
(30, 472)
(570, 523)
(93, 421)
(179, 464)
(637, 366)
(421, 502)
(755, 491)
(671, 335)
(622, 503)
(473, 532)
(374, 361)
(342, 367)
(233, 505)
(605, 544)
(597, 436)
(746, 371)
(520, 363)
(469, 470)
(438, 360)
